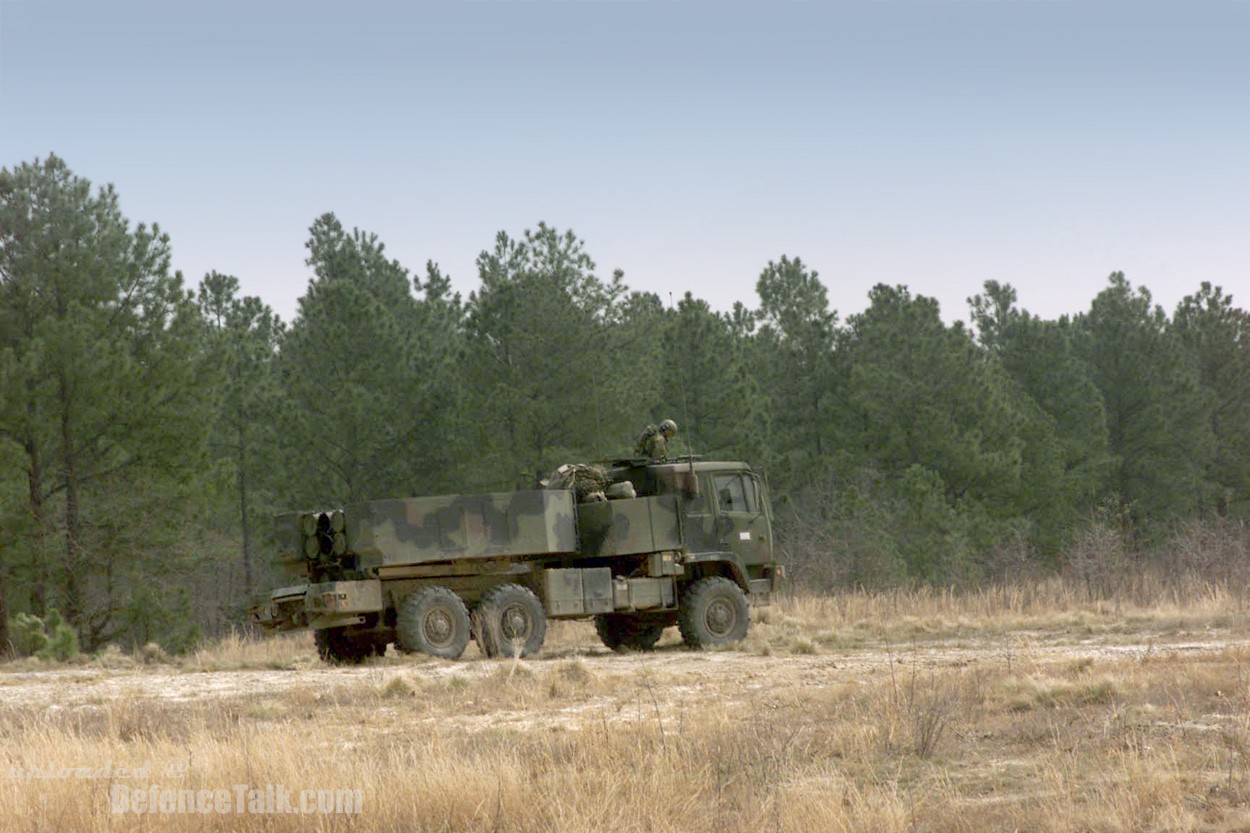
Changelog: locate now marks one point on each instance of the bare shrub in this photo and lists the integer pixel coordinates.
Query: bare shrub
(1098, 555)
(837, 538)
(1214, 549)
(926, 703)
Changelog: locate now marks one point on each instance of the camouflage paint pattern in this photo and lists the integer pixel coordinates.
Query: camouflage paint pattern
(429, 529)
(629, 527)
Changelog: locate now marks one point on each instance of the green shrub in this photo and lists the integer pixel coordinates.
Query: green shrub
(49, 639)
(26, 634)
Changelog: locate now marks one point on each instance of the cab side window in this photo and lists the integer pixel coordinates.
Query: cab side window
(735, 493)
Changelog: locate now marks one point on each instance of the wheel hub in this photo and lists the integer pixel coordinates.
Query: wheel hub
(515, 623)
(720, 617)
(438, 627)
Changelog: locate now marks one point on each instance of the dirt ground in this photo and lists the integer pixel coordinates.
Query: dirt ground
(858, 714)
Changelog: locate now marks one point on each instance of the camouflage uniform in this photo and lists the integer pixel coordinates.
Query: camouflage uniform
(651, 444)
(586, 481)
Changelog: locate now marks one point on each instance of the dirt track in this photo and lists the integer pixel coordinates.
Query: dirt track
(671, 672)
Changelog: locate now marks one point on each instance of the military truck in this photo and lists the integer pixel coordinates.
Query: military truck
(683, 542)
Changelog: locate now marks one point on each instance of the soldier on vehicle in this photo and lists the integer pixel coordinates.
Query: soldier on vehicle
(653, 441)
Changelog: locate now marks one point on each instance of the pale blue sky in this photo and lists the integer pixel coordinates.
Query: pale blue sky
(937, 145)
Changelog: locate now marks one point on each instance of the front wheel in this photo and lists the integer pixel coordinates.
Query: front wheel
(433, 621)
(713, 612)
(511, 622)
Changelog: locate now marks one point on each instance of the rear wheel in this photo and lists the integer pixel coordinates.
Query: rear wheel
(511, 622)
(433, 621)
(627, 633)
(713, 612)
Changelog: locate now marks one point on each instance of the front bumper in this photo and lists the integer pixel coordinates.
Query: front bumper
(329, 604)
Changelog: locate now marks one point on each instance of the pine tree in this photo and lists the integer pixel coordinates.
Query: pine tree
(1042, 359)
(1156, 419)
(794, 363)
(946, 427)
(1216, 336)
(243, 335)
(101, 349)
(708, 386)
(548, 360)
(351, 379)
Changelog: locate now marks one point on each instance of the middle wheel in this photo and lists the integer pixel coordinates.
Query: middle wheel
(511, 622)
(623, 632)
(435, 621)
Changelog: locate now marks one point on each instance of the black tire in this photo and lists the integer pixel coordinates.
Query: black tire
(335, 647)
(433, 621)
(627, 633)
(713, 612)
(510, 622)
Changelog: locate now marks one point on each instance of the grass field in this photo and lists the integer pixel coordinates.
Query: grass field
(1016, 708)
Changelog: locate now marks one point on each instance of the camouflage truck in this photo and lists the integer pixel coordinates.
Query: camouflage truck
(685, 543)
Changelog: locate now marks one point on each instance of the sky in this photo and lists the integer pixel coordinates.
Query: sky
(936, 145)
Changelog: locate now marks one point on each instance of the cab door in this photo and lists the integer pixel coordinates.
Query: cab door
(742, 522)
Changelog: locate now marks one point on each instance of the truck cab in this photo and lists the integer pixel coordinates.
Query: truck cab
(725, 515)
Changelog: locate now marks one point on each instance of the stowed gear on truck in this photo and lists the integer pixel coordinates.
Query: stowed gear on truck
(638, 545)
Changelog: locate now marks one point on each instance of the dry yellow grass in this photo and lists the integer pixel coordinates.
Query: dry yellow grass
(921, 711)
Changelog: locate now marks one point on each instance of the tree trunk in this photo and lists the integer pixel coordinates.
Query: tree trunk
(4, 619)
(34, 477)
(243, 515)
(73, 544)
